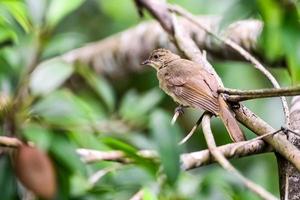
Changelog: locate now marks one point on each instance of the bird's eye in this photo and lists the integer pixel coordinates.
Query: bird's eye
(155, 56)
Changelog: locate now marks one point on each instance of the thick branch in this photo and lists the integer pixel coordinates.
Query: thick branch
(122, 53)
(278, 141)
(289, 175)
(243, 52)
(261, 192)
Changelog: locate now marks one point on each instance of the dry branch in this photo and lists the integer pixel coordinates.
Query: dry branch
(122, 53)
(236, 95)
(279, 142)
(260, 191)
(188, 160)
(243, 52)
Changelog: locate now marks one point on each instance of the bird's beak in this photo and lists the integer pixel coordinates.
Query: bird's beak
(146, 62)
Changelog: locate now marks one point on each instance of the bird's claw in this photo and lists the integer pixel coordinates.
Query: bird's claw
(178, 111)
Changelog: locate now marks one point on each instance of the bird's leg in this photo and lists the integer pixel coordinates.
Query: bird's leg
(192, 131)
(178, 111)
(233, 104)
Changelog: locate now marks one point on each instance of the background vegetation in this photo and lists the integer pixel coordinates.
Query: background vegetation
(61, 107)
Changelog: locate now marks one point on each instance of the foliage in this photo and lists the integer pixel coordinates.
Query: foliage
(62, 107)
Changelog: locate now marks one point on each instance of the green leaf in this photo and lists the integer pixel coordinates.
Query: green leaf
(65, 153)
(39, 135)
(36, 11)
(17, 10)
(49, 75)
(63, 109)
(99, 85)
(131, 152)
(166, 137)
(61, 43)
(7, 179)
(58, 9)
(88, 140)
(148, 194)
(79, 185)
(272, 15)
(142, 105)
(7, 36)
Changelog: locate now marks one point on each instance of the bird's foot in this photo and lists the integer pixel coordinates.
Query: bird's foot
(179, 110)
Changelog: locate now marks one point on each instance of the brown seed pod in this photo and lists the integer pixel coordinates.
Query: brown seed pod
(35, 171)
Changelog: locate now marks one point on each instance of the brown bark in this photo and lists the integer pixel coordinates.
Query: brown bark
(289, 175)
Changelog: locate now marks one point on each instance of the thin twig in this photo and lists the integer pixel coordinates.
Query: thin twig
(253, 140)
(261, 192)
(241, 51)
(236, 95)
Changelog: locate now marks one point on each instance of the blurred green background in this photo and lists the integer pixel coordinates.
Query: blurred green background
(104, 115)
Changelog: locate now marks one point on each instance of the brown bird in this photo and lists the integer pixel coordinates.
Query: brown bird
(191, 85)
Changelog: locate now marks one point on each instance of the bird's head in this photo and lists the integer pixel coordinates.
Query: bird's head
(159, 58)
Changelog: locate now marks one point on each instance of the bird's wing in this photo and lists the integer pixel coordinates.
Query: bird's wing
(196, 89)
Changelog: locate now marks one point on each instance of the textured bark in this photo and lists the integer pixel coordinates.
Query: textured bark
(289, 175)
(121, 54)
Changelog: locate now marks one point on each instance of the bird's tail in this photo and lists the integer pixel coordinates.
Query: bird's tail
(230, 122)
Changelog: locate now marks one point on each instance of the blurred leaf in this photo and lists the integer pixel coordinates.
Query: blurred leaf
(39, 135)
(49, 75)
(272, 15)
(114, 9)
(131, 152)
(280, 38)
(291, 42)
(61, 43)
(66, 110)
(7, 36)
(35, 170)
(65, 152)
(17, 10)
(142, 105)
(166, 137)
(8, 182)
(88, 140)
(99, 85)
(79, 185)
(59, 9)
(148, 194)
(239, 10)
(37, 10)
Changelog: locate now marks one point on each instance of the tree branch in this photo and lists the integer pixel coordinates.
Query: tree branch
(188, 160)
(279, 142)
(121, 54)
(236, 95)
(289, 175)
(261, 192)
(241, 51)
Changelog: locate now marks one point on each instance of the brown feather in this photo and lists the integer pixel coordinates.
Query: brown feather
(189, 84)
